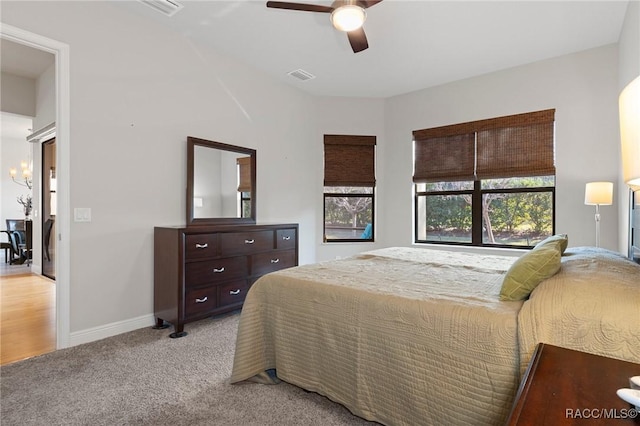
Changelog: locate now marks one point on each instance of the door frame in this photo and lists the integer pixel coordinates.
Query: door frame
(63, 161)
(47, 147)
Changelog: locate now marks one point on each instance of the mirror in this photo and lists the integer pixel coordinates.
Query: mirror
(221, 183)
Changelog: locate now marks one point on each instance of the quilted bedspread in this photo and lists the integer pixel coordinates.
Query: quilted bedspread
(401, 336)
(591, 305)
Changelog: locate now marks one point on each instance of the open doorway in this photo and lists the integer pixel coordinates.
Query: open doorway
(29, 101)
(60, 111)
(28, 302)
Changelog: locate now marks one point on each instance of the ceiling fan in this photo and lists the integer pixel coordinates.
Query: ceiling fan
(346, 15)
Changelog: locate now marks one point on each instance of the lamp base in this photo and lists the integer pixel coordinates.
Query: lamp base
(597, 217)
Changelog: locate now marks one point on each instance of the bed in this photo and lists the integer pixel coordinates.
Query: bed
(413, 336)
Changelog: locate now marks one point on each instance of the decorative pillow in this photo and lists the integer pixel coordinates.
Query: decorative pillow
(561, 241)
(528, 271)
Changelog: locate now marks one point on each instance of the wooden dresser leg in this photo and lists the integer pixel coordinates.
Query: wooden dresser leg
(160, 324)
(179, 331)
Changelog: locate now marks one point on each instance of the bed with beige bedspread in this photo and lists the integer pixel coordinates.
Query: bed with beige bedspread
(410, 336)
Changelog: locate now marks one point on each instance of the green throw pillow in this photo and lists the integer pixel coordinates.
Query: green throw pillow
(528, 271)
(561, 241)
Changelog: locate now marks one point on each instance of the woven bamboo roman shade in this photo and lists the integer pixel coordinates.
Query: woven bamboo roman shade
(511, 146)
(349, 160)
(517, 145)
(444, 158)
(244, 164)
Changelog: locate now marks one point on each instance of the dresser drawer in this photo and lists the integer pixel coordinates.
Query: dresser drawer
(201, 300)
(263, 263)
(233, 293)
(246, 242)
(215, 271)
(286, 239)
(198, 246)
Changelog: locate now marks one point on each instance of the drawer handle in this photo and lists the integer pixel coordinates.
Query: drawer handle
(204, 299)
(286, 237)
(202, 246)
(234, 292)
(275, 260)
(218, 270)
(249, 241)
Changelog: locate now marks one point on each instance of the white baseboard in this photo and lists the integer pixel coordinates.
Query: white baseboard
(108, 330)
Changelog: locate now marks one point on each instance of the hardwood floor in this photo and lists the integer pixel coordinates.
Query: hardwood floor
(28, 319)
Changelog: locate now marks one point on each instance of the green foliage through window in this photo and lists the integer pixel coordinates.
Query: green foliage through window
(510, 211)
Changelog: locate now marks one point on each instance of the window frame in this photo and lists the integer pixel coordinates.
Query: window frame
(476, 212)
(347, 164)
(244, 199)
(348, 195)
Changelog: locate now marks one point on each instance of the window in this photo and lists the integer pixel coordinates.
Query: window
(486, 183)
(349, 187)
(244, 185)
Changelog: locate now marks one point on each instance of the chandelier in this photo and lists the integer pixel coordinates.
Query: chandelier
(26, 179)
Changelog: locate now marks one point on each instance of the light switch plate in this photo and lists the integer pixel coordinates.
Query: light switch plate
(82, 214)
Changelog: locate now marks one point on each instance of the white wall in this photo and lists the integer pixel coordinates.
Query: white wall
(138, 90)
(582, 87)
(18, 94)
(45, 99)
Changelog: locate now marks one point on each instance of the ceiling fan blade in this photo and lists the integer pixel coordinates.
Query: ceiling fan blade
(358, 40)
(368, 3)
(299, 6)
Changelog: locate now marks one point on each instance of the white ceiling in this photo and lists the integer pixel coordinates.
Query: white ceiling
(412, 44)
(18, 59)
(24, 61)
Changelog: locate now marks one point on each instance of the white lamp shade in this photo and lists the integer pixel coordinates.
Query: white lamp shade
(629, 104)
(600, 193)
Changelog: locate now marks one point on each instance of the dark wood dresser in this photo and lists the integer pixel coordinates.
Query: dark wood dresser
(207, 270)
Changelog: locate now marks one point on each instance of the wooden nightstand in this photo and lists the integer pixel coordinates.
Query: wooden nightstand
(566, 387)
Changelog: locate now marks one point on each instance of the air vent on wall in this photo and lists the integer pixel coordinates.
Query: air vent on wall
(167, 7)
(301, 75)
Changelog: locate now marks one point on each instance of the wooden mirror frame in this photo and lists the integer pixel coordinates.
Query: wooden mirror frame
(192, 142)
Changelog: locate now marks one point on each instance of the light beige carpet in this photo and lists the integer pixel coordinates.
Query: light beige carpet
(146, 378)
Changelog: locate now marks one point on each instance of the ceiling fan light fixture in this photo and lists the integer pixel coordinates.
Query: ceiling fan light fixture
(348, 17)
